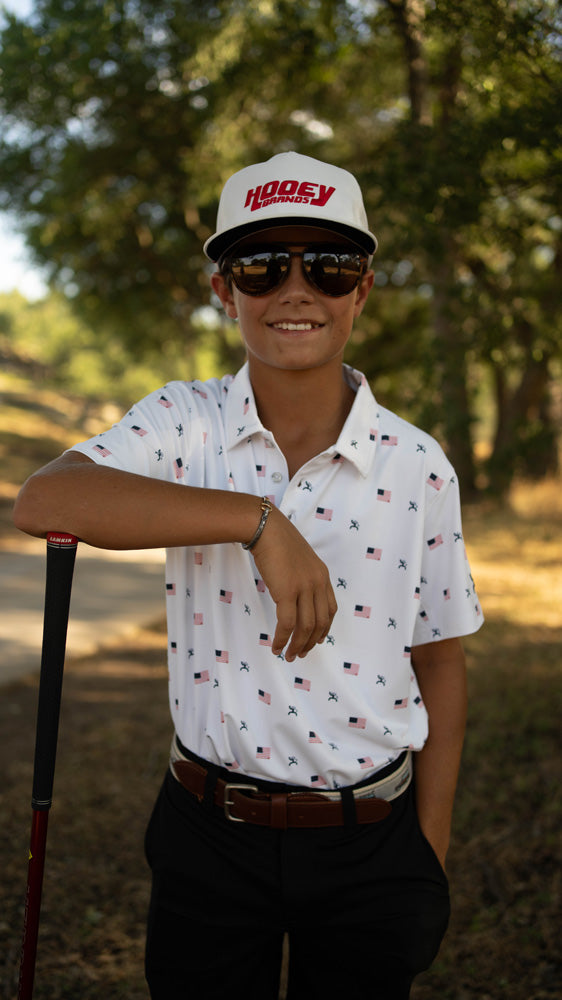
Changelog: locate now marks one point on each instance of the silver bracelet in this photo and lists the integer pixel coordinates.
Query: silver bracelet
(266, 508)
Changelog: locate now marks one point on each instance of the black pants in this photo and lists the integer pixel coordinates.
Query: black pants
(365, 907)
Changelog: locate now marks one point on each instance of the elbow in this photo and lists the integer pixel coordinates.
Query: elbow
(26, 513)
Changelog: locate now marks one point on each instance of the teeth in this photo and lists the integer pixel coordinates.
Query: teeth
(295, 326)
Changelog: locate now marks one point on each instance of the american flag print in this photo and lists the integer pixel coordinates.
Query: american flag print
(232, 765)
(344, 490)
(178, 466)
(101, 450)
(433, 543)
(324, 513)
(401, 703)
(200, 392)
(263, 753)
(362, 611)
(357, 723)
(317, 780)
(435, 481)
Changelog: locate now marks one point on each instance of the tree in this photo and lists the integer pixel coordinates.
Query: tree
(131, 114)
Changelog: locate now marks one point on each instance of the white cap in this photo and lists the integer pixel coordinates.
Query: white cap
(290, 189)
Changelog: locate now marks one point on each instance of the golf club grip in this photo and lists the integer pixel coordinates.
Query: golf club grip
(61, 555)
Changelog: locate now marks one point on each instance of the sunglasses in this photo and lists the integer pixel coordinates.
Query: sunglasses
(333, 271)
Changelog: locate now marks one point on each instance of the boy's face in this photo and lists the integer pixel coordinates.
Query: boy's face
(296, 326)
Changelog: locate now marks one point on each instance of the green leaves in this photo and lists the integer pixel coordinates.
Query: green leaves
(129, 117)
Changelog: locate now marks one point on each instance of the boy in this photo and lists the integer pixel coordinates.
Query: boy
(317, 586)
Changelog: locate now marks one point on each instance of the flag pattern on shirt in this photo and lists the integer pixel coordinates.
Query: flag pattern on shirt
(362, 611)
(381, 509)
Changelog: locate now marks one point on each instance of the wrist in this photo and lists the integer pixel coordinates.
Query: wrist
(266, 507)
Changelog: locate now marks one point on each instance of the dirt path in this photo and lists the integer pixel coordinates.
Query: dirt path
(114, 593)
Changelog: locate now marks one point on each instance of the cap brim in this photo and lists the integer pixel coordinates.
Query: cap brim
(218, 244)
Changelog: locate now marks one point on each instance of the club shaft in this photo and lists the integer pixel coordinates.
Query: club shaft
(61, 554)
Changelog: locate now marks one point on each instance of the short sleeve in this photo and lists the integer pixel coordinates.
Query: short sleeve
(449, 605)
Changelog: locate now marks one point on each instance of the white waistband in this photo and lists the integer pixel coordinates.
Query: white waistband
(388, 788)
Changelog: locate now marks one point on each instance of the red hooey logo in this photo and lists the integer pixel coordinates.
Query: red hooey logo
(280, 191)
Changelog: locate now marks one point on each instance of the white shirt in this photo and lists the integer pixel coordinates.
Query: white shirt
(380, 507)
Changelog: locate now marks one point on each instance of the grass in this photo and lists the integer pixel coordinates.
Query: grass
(505, 862)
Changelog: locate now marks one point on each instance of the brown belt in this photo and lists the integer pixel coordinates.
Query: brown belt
(279, 810)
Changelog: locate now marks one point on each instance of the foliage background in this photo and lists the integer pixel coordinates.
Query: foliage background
(120, 121)
(130, 115)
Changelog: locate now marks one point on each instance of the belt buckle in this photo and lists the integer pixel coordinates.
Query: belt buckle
(228, 802)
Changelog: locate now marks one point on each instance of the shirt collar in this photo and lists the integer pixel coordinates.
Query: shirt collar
(241, 414)
(358, 437)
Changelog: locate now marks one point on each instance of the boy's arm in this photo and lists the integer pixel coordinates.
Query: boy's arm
(112, 509)
(441, 673)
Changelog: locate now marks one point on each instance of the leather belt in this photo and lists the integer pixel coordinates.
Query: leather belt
(279, 810)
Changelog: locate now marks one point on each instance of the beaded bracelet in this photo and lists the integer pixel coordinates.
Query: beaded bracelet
(266, 508)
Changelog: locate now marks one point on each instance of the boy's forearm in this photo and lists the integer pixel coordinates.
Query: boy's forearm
(440, 669)
(112, 509)
(108, 508)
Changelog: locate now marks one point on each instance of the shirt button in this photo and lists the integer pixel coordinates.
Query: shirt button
(277, 477)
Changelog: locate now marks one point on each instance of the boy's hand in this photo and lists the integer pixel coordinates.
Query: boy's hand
(299, 583)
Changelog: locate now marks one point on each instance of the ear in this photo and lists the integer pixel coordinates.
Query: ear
(223, 291)
(363, 292)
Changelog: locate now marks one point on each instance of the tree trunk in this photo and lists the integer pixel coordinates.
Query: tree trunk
(525, 438)
(451, 358)
(409, 16)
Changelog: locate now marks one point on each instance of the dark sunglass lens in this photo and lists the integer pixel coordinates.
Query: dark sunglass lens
(259, 273)
(334, 273)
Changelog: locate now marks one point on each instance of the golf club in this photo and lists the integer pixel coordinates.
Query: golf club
(61, 554)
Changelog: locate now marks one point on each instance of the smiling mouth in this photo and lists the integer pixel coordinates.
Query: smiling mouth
(298, 327)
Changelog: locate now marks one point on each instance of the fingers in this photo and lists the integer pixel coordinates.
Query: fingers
(299, 584)
(304, 620)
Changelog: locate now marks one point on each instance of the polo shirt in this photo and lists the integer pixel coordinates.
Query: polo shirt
(380, 507)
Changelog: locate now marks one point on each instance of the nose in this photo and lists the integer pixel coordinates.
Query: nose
(296, 287)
